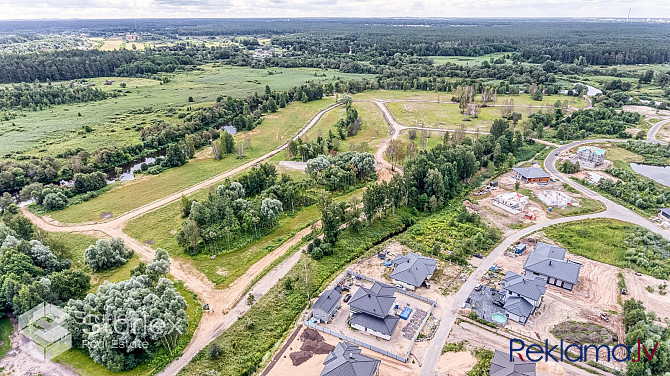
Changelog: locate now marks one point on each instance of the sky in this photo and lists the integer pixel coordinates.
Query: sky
(114, 9)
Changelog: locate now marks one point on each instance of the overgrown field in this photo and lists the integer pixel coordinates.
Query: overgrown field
(275, 130)
(616, 243)
(52, 130)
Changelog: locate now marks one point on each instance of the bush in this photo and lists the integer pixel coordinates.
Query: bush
(55, 201)
(107, 254)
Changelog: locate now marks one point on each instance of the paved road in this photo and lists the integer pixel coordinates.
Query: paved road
(651, 136)
(613, 210)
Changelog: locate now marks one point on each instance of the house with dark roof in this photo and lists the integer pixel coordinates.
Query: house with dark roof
(547, 261)
(413, 270)
(370, 310)
(501, 365)
(523, 295)
(530, 174)
(665, 214)
(347, 360)
(328, 303)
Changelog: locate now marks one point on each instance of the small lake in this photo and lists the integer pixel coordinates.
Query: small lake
(230, 129)
(129, 168)
(660, 174)
(591, 90)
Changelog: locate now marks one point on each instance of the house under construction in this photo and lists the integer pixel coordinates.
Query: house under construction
(555, 198)
(512, 202)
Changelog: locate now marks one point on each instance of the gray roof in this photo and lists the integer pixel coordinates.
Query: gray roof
(328, 299)
(385, 326)
(548, 260)
(376, 301)
(531, 172)
(530, 287)
(413, 269)
(347, 360)
(550, 250)
(502, 366)
(666, 211)
(519, 306)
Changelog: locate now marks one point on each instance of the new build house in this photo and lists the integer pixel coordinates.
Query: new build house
(547, 261)
(347, 359)
(530, 174)
(523, 295)
(590, 156)
(328, 303)
(501, 365)
(413, 270)
(369, 310)
(664, 214)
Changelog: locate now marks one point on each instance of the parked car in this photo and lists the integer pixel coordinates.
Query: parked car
(347, 297)
(556, 154)
(478, 287)
(346, 288)
(479, 255)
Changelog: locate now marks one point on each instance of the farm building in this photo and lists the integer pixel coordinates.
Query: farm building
(555, 198)
(590, 156)
(530, 174)
(547, 261)
(511, 202)
(370, 308)
(413, 270)
(328, 303)
(505, 365)
(347, 359)
(523, 294)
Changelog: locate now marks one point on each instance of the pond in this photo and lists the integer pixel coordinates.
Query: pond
(591, 89)
(230, 129)
(660, 174)
(128, 169)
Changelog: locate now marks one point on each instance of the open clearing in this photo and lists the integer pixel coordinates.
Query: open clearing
(50, 131)
(275, 130)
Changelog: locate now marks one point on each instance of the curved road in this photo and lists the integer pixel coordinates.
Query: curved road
(613, 211)
(651, 136)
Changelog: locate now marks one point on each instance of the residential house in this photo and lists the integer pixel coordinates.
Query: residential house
(413, 270)
(523, 295)
(328, 303)
(547, 261)
(530, 174)
(665, 214)
(369, 310)
(590, 156)
(501, 365)
(347, 359)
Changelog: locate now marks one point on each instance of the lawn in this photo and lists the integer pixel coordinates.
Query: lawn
(275, 130)
(6, 330)
(597, 239)
(49, 131)
(467, 60)
(71, 245)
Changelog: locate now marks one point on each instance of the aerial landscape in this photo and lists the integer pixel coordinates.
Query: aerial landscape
(334, 196)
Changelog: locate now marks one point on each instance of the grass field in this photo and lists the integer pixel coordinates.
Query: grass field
(113, 44)
(275, 130)
(49, 131)
(448, 115)
(466, 60)
(6, 330)
(597, 239)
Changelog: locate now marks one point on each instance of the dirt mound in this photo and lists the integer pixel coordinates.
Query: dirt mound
(300, 357)
(316, 347)
(311, 334)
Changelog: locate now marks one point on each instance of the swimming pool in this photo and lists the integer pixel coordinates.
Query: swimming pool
(499, 318)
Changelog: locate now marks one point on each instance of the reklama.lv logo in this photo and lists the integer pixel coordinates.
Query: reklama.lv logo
(578, 353)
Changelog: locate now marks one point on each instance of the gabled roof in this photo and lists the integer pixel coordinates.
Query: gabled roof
(328, 299)
(347, 360)
(548, 260)
(385, 326)
(531, 172)
(376, 301)
(519, 306)
(529, 287)
(502, 366)
(413, 269)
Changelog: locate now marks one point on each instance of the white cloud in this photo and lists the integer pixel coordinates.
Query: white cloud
(21, 9)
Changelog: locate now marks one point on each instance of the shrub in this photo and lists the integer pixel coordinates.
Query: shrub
(107, 254)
